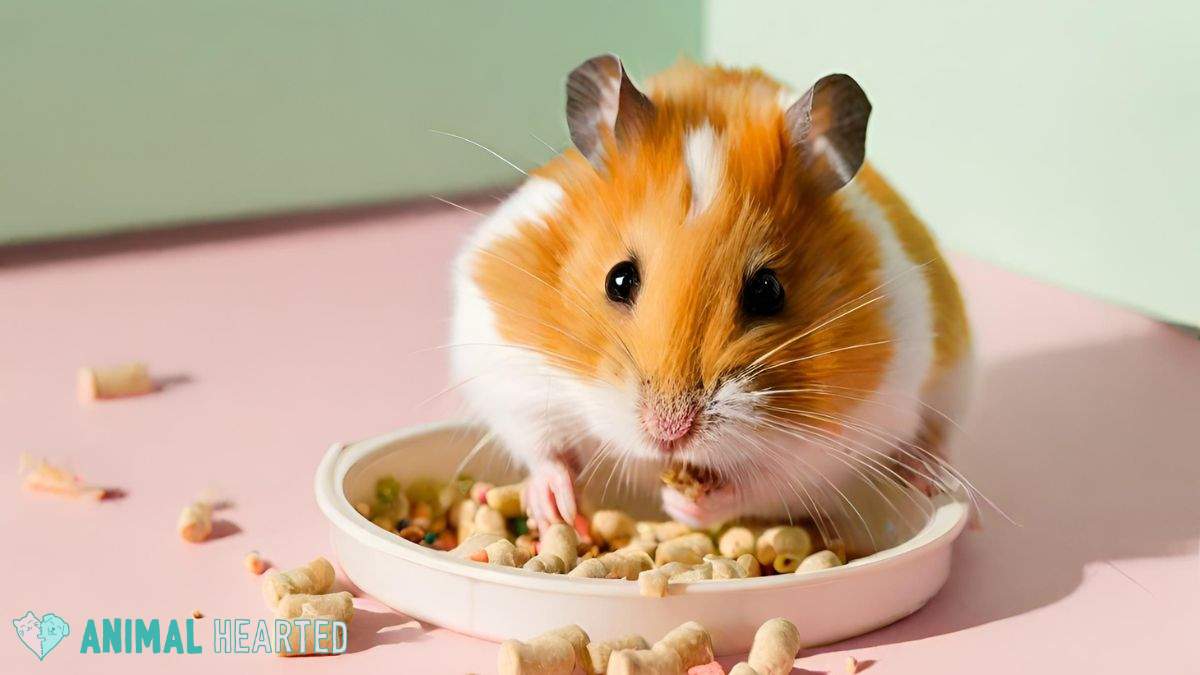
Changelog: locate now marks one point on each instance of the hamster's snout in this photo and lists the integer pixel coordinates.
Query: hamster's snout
(668, 421)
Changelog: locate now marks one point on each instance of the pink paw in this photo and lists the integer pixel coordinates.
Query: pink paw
(550, 494)
(711, 509)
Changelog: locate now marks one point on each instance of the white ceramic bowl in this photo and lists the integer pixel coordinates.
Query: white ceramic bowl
(497, 603)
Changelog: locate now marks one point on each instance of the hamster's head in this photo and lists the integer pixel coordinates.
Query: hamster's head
(695, 278)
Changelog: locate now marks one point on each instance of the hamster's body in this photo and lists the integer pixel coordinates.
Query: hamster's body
(861, 365)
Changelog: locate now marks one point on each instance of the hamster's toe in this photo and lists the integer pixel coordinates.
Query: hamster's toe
(550, 494)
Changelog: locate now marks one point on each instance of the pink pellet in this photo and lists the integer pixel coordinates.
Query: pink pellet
(480, 556)
(479, 491)
(712, 668)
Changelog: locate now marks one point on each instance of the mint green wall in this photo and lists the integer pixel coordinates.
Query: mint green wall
(126, 113)
(1057, 138)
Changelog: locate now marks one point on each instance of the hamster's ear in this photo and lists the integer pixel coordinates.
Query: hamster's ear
(828, 130)
(601, 98)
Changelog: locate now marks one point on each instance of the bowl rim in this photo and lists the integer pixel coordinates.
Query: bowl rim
(951, 512)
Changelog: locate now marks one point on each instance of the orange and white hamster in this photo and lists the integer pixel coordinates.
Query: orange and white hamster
(711, 276)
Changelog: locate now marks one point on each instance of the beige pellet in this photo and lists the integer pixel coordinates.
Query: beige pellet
(336, 606)
(506, 499)
(653, 583)
(646, 545)
(645, 662)
(315, 578)
(489, 520)
(591, 568)
(743, 668)
(195, 522)
(749, 564)
(821, 560)
(599, 652)
(312, 642)
(462, 516)
(691, 642)
(612, 528)
(501, 552)
(543, 655)
(775, 646)
(736, 541)
(689, 549)
(560, 539)
(701, 572)
(447, 497)
(547, 563)
(625, 564)
(474, 543)
(661, 531)
(129, 379)
(784, 539)
(724, 568)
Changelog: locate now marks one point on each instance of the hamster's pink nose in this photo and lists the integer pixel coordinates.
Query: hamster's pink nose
(668, 425)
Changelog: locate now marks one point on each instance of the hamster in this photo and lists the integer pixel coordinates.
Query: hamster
(712, 277)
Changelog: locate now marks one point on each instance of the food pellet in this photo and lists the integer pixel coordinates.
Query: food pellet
(254, 563)
(195, 522)
(506, 499)
(851, 665)
(336, 606)
(710, 668)
(626, 564)
(691, 642)
(591, 568)
(39, 475)
(736, 541)
(787, 540)
(821, 560)
(315, 578)
(129, 379)
(749, 564)
(645, 662)
(479, 490)
(543, 655)
(701, 572)
(561, 540)
(689, 549)
(599, 652)
(613, 528)
(489, 520)
(775, 646)
(473, 543)
(197, 614)
(501, 552)
(743, 668)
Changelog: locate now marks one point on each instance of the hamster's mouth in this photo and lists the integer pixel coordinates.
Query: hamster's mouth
(690, 480)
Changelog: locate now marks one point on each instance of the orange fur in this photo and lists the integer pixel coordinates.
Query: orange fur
(686, 331)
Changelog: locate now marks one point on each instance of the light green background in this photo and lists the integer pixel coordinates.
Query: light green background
(1058, 139)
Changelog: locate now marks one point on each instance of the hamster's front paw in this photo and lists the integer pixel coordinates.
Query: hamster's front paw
(709, 509)
(550, 493)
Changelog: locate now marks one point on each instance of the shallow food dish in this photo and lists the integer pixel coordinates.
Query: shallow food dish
(496, 603)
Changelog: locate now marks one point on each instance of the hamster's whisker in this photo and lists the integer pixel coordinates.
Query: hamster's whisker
(556, 329)
(537, 350)
(815, 388)
(818, 416)
(457, 206)
(600, 324)
(483, 441)
(840, 314)
(834, 442)
(821, 516)
(537, 138)
(809, 357)
(481, 146)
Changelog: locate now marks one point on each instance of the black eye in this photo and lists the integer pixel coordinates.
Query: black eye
(622, 282)
(763, 294)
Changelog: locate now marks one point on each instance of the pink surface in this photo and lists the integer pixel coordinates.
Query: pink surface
(283, 343)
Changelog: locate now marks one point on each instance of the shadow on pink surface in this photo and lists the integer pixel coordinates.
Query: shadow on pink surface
(1082, 448)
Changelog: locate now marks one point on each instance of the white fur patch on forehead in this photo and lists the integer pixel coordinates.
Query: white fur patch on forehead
(705, 159)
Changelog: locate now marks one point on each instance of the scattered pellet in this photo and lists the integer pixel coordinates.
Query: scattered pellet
(197, 614)
(254, 563)
(775, 646)
(691, 642)
(314, 578)
(336, 606)
(39, 475)
(129, 379)
(195, 522)
(599, 652)
(652, 661)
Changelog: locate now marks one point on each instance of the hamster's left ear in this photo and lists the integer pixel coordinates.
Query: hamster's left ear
(602, 99)
(828, 131)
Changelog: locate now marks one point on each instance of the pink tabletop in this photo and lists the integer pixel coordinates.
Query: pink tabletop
(279, 344)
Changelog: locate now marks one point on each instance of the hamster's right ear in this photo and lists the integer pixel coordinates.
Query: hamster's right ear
(601, 100)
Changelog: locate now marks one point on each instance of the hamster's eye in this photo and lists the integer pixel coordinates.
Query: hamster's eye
(622, 282)
(763, 294)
